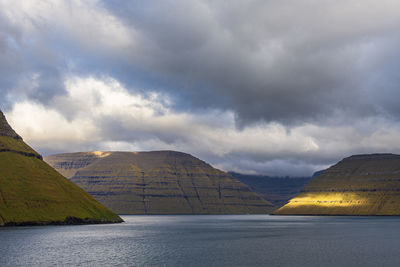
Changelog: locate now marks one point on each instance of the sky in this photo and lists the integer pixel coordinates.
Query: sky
(279, 88)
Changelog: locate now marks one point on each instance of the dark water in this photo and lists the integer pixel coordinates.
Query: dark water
(247, 240)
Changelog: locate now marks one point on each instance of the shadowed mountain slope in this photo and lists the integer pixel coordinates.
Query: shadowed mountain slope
(357, 185)
(278, 190)
(158, 182)
(31, 192)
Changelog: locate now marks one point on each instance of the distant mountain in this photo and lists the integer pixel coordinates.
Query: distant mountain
(158, 182)
(357, 185)
(318, 173)
(31, 192)
(278, 190)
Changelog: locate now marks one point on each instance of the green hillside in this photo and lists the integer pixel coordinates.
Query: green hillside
(31, 192)
(357, 185)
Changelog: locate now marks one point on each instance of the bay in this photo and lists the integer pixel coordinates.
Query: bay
(208, 240)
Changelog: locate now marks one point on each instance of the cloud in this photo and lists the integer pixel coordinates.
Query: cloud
(101, 114)
(273, 87)
(44, 41)
(288, 61)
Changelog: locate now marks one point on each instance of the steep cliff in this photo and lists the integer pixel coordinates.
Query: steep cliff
(357, 185)
(31, 192)
(5, 128)
(158, 182)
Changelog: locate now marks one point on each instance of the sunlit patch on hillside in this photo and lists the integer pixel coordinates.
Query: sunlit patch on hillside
(100, 154)
(327, 200)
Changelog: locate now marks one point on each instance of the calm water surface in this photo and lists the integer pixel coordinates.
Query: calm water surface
(243, 240)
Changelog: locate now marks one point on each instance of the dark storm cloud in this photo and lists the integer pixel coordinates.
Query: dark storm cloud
(266, 60)
(28, 69)
(288, 62)
(304, 83)
(10, 61)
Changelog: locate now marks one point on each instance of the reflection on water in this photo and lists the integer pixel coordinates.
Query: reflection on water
(242, 240)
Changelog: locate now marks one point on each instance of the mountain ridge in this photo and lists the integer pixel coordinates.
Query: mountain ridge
(366, 184)
(157, 182)
(6, 129)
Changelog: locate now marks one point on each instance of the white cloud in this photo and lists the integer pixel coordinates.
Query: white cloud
(101, 114)
(328, 69)
(85, 22)
(45, 127)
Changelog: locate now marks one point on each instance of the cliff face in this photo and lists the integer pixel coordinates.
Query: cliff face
(159, 182)
(31, 192)
(5, 128)
(357, 185)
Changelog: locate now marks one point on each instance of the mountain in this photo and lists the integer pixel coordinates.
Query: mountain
(5, 128)
(158, 182)
(277, 190)
(357, 185)
(31, 192)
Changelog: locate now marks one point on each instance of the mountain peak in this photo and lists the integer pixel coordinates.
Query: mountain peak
(5, 128)
(158, 182)
(34, 193)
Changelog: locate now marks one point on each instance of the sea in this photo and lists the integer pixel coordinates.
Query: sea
(208, 240)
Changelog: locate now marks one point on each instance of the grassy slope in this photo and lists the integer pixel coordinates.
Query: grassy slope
(354, 186)
(360, 203)
(32, 191)
(9, 143)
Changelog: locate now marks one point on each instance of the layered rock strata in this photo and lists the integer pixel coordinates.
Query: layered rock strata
(158, 182)
(357, 185)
